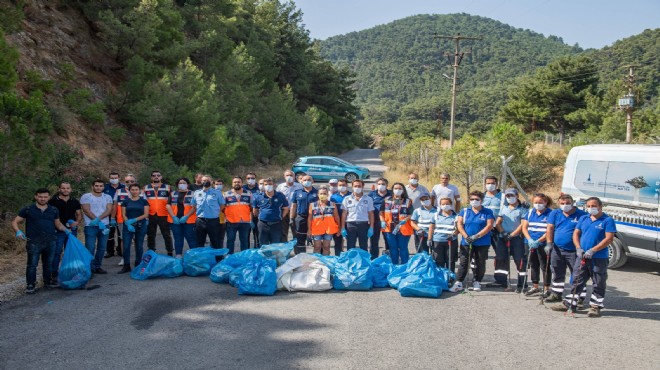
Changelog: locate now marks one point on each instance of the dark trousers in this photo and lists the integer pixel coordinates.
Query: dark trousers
(538, 261)
(243, 230)
(560, 259)
(138, 236)
(594, 269)
(445, 254)
(339, 244)
(114, 242)
(375, 239)
(223, 232)
(164, 226)
(357, 231)
(43, 250)
(480, 255)
(210, 227)
(183, 232)
(505, 249)
(286, 226)
(270, 232)
(421, 243)
(255, 232)
(301, 233)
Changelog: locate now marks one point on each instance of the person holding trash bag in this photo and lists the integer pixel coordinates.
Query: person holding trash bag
(475, 224)
(442, 235)
(270, 207)
(395, 223)
(181, 216)
(41, 225)
(70, 216)
(324, 222)
(534, 228)
(511, 241)
(357, 217)
(135, 212)
(97, 208)
(421, 221)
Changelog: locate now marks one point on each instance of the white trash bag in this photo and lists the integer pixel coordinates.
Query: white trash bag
(303, 273)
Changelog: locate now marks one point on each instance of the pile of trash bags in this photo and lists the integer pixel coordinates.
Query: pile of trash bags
(420, 277)
(76, 268)
(154, 265)
(200, 261)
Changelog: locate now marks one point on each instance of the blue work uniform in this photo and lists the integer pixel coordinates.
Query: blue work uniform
(538, 223)
(444, 227)
(111, 191)
(270, 208)
(208, 204)
(252, 190)
(564, 227)
(593, 232)
(474, 223)
(512, 217)
(378, 202)
(493, 203)
(338, 199)
(424, 217)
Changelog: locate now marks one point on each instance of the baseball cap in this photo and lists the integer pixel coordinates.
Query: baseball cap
(511, 191)
(333, 181)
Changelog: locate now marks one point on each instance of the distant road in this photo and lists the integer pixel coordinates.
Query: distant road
(369, 158)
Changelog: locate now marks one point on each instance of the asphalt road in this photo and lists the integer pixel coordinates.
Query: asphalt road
(192, 323)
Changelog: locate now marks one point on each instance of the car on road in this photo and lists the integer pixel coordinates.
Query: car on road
(326, 168)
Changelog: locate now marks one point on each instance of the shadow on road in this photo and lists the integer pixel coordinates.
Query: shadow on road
(641, 266)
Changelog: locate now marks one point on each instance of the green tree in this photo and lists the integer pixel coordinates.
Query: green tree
(8, 59)
(465, 161)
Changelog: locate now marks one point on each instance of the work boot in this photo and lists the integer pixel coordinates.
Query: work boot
(594, 311)
(553, 298)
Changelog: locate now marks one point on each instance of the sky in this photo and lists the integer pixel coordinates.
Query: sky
(590, 23)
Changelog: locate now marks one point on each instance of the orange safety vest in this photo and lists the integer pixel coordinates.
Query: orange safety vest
(157, 198)
(397, 212)
(121, 195)
(187, 205)
(238, 208)
(323, 219)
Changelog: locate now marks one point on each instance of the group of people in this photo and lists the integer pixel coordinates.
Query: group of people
(118, 215)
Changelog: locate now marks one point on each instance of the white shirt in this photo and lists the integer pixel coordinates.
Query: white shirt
(358, 210)
(414, 193)
(287, 190)
(97, 206)
(440, 192)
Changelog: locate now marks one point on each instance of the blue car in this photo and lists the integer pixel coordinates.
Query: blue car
(326, 168)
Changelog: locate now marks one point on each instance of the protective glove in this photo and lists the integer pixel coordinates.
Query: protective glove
(579, 253)
(589, 254)
(370, 232)
(130, 222)
(383, 224)
(474, 237)
(548, 248)
(102, 226)
(94, 222)
(429, 243)
(183, 219)
(396, 229)
(344, 233)
(504, 236)
(130, 227)
(402, 222)
(113, 222)
(533, 244)
(420, 233)
(469, 240)
(67, 232)
(21, 235)
(69, 223)
(176, 220)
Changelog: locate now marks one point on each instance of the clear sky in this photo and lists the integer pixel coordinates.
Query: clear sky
(590, 23)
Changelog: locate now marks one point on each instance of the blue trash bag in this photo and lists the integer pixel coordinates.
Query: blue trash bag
(75, 270)
(381, 268)
(154, 265)
(353, 271)
(278, 251)
(447, 276)
(421, 278)
(329, 261)
(258, 277)
(398, 273)
(222, 271)
(200, 261)
(420, 286)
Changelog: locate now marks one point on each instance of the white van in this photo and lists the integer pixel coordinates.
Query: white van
(626, 178)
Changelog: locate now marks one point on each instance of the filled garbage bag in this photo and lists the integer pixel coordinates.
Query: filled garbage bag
(398, 273)
(381, 268)
(304, 272)
(278, 251)
(222, 271)
(200, 261)
(353, 271)
(329, 261)
(75, 270)
(258, 277)
(447, 277)
(420, 277)
(420, 286)
(154, 265)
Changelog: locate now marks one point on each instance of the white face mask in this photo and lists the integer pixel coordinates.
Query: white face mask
(592, 210)
(333, 189)
(357, 190)
(261, 188)
(491, 187)
(114, 181)
(511, 200)
(218, 187)
(475, 203)
(413, 181)
(539, 206)
(566, 207)
(398, 192)
(446, 207)
(307, 183)
(381, 188)
(289, 179)
(268, 188)
(251, 182)
(183, 187)
(426, 203)
(342, 189)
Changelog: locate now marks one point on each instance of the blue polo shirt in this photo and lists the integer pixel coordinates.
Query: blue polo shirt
(424, 217)
(593, 232)
(493, 202)
(564, 227)
(338, 199)
(303, 199)
(538, 223)
(252, 190)
(379, 200)
(208, 203)
(40, 225)
(475, 222)
(270, 208)
(512, 217)
(108, 189)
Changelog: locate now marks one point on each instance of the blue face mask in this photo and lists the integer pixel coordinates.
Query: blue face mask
(218, 187)
(307, 183)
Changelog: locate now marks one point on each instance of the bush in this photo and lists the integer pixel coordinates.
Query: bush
(116, 134)
(80, 101)
(36, 83)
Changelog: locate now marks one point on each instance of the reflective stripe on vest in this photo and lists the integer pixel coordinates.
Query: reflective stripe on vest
(157, 198)
(187, 205)
(323, 219)
(238, 208)
(403, 211)
(121, 195)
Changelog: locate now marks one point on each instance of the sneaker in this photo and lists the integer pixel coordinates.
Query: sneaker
(457, 287)
(594, 311)
(108, 255)
(125, 269)
(546, 293)
(30, 289)
(553, 298)
(532, 291)
(53, 284)
(476, 286)
(561, 306)
(518, 290)
(580, 303)
(100, 271)
(121, 262)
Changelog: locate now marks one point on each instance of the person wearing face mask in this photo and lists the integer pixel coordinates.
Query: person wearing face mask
(475, 224)
(357, 219)
(120, 196)
(96, 207)
(300, 202)
(446, 190)
(378, 196)
(492, 201)
(323, 221)
(510, 242)
(534, 227)
(395, 223)
(70, 216)
(593, 234)
(414, 190)
(288, 187)
(270, 207)
(219, 186)
(421, 220)
(135, 212)
(238, 211)
(561, 226)
(157, 193)
(253, 187)
(443, 236)
(114, 239)
(333, 184)
(208, 204)
(181, 216)
(338, 198)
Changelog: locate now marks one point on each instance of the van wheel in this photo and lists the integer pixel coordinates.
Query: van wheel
(617, 255)
(350, 177)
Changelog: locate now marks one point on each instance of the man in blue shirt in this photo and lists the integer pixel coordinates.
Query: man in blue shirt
(208, 204)
(300, 202)
(593, 233)
(270, 207)
(338, 198)
(252, 187)
(378, 196)
(114, 239)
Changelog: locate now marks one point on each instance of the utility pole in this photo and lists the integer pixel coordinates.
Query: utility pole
(458, 57)
(627, 103)
(438, 130)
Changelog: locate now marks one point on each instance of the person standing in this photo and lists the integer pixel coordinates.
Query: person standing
(323, 221)
(208, 204)
(534, 228)
(378, 197)
(443, 236)
(421, 221)
(357, 219)
(270, 207)
(219, 186)
(42, 221)
(492, 201)
(70, 216)
(475, 224)
(561, 227)
(238, 211)
(157, 194)
(182, 217)
(299, 207)
(120, 196)
(96, 207)
(446, 190)
(333, 185)
(395, 223)
(338, 199)
(511, 241)
(414, 190)
(288, 187)
(253, 188)
(114, 239)
(198, 182)
(135, 213)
